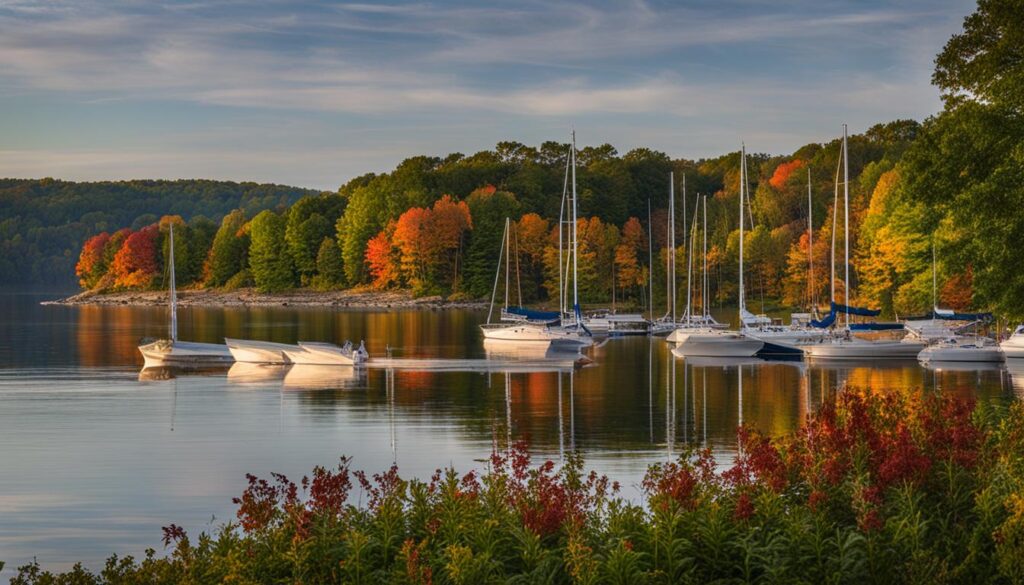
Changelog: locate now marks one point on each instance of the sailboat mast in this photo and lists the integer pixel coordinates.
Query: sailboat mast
(689, 261)
(650, 261)
(935, 285)
(670, 257)
(561, 228)
(575, 243)
(508, 254)
(706, 287)
(835, 216)
(846, 223)
(174, 292)
(743, 182)
(676, 296)
(810, 242)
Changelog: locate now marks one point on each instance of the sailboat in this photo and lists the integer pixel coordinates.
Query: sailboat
(780, 339)
(170, 351)
(842, 344)
(704, 340)
(569, 330)
(947, 340)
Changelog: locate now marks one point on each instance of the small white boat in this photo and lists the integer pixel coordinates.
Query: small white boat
(259, 352)
(1013, 346)
(962, 349)
(536, 334)
(171, 352)
(709, 342)
(328, 354)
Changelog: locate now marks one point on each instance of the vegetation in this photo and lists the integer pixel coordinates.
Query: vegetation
(893, 488)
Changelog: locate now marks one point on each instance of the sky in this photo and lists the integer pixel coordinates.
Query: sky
(312, 94)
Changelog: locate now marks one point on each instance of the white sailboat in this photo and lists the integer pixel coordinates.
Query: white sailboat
(571, 332)
(1013, 346)
(843, 345)
(704, 340)
(170, 351)
(254, 351)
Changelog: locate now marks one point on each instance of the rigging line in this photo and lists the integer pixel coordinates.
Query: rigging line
(519, 283)
(497, 275)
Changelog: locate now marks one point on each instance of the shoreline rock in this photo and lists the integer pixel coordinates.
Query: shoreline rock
(247, 297)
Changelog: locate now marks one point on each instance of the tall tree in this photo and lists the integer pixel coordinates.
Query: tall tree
(229, 251)
(268, 255)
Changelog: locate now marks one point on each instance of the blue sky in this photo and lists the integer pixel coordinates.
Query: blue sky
(311, 94)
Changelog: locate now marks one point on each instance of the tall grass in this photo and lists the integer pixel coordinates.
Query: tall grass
(874, 488)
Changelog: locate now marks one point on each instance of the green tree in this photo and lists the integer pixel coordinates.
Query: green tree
(268, 255)
(310, 220)
(488, 207)
(230, 249)
(329, 267)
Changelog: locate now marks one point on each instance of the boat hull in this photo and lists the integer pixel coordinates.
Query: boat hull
(859, 350)
(164, 352)
(536, 335)
(712, 343)
(259, 352)
(961, 354)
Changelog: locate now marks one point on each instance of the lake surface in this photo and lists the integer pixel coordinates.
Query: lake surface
(95, 459)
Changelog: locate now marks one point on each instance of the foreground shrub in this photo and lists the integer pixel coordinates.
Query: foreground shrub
(883, 488)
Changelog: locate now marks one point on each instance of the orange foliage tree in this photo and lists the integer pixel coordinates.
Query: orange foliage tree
(382, 258)
(91, 266)
(136, 264)
(428, 243)
(630, 273)
(531, 235)
(783, 172)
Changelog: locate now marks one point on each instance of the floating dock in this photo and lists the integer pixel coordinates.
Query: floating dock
(477, 365)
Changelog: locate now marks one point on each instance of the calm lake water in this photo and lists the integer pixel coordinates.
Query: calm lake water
(95, 458)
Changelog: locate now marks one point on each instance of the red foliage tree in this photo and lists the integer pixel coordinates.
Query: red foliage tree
(382, 259)
(91, 266)
(137, 264)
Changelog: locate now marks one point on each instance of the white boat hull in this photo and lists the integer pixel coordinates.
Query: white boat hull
(324, 354)
(536, 335)
(714, 343)
(1013, 347)
(259, 352)
(164, 352)
(960, 354)
(858, 349)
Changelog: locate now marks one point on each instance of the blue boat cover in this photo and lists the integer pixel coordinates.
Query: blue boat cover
(855, 310)
(875, 326)
(579, 318)
(826, 322)
(534, 315)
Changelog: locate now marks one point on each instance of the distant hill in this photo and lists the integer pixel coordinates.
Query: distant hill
(43, 222)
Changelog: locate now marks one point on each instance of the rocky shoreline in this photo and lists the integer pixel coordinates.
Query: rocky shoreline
(247, 297)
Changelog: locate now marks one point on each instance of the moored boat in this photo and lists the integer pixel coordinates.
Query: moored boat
(259, 352)
(328, 354)
(962, 349)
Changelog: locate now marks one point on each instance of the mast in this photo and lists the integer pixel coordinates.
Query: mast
(174, 292)
(575, 256)
(935, 286)
(743, 182)
(650, 261)
(497, 274)
(846, 222)
(675, 297)
(835, 216)
(508, 254)
(706, 287)
(810, 242)
(689, 260)
(670, 257)
(562, 269)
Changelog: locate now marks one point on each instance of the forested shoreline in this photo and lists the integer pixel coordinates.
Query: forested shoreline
(951, 187)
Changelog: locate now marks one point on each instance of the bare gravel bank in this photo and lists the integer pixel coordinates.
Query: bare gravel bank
(247, 297)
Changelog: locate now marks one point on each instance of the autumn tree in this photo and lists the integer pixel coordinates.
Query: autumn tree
(382, 258)
(631, 274)
(531, 234)
(268, 254)
(91, 264)
(136, 265)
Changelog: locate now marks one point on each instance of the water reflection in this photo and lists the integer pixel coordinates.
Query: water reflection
(77, 425)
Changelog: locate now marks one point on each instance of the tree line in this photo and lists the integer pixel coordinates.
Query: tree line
(952, 185)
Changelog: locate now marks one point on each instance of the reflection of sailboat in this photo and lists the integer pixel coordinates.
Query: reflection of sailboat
(962, 366)
(868, 363)
(158, 373)
(717, 361)
(259, 352)
(169, 352)
(1016, 370)
(318, 377)
(496, 349)
(250, 373)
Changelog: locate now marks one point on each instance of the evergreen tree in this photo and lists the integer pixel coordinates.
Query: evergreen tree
(488, 207)
(329, 266)
(268, 254)
(228, 253)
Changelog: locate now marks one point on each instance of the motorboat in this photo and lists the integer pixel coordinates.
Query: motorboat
(259, 352)
(1013, 346)
(171, 351)
(962, 349)
(849, 347)
(328, 354)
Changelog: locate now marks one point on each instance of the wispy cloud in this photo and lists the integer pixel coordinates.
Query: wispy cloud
(525, 64)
